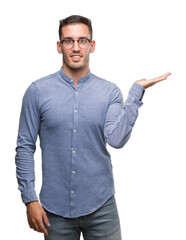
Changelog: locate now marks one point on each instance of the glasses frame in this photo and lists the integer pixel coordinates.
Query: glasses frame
(75, 40)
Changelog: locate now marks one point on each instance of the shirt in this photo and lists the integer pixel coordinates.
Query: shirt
(74, 126)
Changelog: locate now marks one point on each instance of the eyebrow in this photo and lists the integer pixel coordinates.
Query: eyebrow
(72, 38)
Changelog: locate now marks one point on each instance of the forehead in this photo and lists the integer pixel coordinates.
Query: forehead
(75, 30)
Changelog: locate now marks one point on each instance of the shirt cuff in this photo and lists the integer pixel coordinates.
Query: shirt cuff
(29, 197)
(137, 91)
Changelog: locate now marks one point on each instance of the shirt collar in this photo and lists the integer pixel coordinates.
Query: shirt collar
(70, 80)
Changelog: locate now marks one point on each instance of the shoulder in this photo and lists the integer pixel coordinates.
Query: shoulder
(41, 86)
(44, 84)
(46, 81)
(104, 83)
(110, 87)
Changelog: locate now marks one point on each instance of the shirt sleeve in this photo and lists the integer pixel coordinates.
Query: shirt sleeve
(121, 117)
(29, 124)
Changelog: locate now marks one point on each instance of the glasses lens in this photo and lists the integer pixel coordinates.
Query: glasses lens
(83, 43)
(68, 43)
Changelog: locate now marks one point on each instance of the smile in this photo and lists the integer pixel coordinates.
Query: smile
(76, 57)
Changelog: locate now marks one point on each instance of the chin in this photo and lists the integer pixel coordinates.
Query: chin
(76, 66)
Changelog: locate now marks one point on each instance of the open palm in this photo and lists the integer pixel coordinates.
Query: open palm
(148, 83)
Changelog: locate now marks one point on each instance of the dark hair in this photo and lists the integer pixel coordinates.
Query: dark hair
(75, 19)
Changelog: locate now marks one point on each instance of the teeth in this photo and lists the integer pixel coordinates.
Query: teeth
(76, 56)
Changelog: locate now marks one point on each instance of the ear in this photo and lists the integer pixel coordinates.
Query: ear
(93, 45)
(59, 48)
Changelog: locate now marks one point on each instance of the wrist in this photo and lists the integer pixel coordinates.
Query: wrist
(29, 203)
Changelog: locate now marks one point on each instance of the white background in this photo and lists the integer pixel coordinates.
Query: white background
(134, 39)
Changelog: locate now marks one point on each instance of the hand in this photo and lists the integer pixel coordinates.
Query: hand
(36, 215)
(148, 83)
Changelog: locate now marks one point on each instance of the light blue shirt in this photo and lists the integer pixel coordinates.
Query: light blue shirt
(74, 126)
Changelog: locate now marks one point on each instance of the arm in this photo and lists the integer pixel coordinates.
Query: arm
(26, 145)
(120, 117)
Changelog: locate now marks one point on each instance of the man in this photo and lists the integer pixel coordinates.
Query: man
(75, 113)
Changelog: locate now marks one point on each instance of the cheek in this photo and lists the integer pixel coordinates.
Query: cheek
(87, 52)
(66, 55)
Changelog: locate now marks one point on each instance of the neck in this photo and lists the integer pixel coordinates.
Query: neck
(75, 73)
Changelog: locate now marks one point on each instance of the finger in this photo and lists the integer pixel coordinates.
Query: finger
(157, 79)
(41, 227)
(35, 225)
(162, 77)
(167, 74)
(31, 225)
(45, 219)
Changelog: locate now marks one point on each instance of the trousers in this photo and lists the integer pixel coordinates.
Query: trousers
(103, 224)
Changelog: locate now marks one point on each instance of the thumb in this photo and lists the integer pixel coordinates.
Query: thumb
(45, 219)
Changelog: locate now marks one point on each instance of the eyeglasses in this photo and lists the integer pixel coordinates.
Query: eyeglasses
(69, 43)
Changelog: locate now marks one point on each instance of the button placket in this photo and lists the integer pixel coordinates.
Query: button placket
(74, 146)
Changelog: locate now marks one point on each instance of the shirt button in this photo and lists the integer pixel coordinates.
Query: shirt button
(73, 151)
(72, 191)
(71, 80)
(75, 130)
(73, 171)
(75, 110)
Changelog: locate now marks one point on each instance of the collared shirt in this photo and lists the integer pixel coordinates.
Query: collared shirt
(74, 126)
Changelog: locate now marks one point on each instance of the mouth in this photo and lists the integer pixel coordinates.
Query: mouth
(76, 57)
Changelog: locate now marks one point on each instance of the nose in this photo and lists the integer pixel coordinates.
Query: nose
(76, 46)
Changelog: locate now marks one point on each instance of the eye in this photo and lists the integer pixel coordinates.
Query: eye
(68, 41)
(83, 40)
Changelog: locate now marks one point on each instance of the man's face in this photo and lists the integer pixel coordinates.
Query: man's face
(75, 58)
